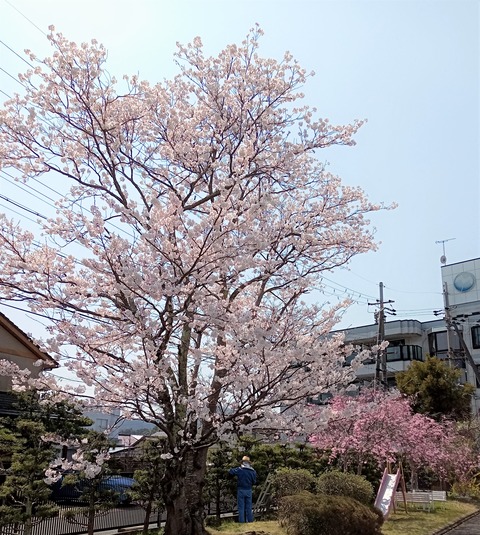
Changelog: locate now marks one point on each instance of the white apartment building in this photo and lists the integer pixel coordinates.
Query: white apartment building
(413, 340)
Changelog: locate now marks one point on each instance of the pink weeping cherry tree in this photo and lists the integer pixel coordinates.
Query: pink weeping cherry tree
(382, 425)
(194, 219)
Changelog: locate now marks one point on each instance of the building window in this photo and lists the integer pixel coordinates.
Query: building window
(476, 337)
(438, 344)
(404, 352)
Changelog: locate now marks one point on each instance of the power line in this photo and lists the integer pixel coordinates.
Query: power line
(27, 187)
(16, 53)
(12, 77)
(416, 311)
(346, 293)
(38, 182)
(18, 213)
(83, 315)
(331, 294)
(410, 291)
(387, 287)
(25, 17)
(66, 378)
(23, 310)
(22, 207)
(359, 276)
(361, 294)
(413, 313)
(15, 203)
(46, 186)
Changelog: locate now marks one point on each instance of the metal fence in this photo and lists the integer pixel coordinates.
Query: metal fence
(73, 515)
(118, 517)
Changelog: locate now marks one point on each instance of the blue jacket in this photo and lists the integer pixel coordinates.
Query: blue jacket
(246, 476)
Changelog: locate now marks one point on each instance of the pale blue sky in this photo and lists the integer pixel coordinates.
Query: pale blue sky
(410, 67)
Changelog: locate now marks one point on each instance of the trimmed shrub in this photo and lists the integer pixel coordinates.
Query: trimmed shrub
(345, 484)
(289, 481)
(309, 514)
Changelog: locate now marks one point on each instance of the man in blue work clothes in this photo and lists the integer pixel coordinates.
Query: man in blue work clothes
(246, 478)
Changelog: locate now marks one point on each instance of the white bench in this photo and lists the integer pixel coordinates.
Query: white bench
(425, 499)
(439, 495)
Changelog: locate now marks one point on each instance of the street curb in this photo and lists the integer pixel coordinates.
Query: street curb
(457, 523)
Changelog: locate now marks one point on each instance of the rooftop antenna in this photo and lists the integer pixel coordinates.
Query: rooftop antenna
(443, 258)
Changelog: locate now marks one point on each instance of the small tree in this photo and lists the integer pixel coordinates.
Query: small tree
(434, 388)
(86, 473)
(27, 439)
(24, 492)
(147, 490)
(218, 484)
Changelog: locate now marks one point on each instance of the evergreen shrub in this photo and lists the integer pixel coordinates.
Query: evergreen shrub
(288, 481)
(345, 484)
(309, 514)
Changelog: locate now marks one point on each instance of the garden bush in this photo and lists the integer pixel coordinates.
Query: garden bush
(288, 481)
(309, 514)
(345, 484)
(467, 489)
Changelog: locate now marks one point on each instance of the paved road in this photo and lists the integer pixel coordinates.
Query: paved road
(470, 527)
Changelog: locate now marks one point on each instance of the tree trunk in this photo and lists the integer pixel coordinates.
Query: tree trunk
(218, 496)
(148, 511)
(91, 515)
(28, 525)
(359, 468)
(414, 479)
(184, 499)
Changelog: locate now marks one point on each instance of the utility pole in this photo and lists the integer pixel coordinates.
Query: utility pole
(468, 355)
(451, 322)
(381, 355)
(448, 321)
(381, 359)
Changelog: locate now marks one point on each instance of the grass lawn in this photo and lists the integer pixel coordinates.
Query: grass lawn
(416, 522)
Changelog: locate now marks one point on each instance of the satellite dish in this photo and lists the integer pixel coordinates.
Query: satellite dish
(443, 259)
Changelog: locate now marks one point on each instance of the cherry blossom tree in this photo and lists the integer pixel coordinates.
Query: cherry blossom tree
(383, 426)
(196, 218)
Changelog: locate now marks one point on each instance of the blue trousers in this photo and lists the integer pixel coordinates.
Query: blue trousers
(244, 502)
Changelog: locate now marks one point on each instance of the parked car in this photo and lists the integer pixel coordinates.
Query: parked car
(115, 487)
